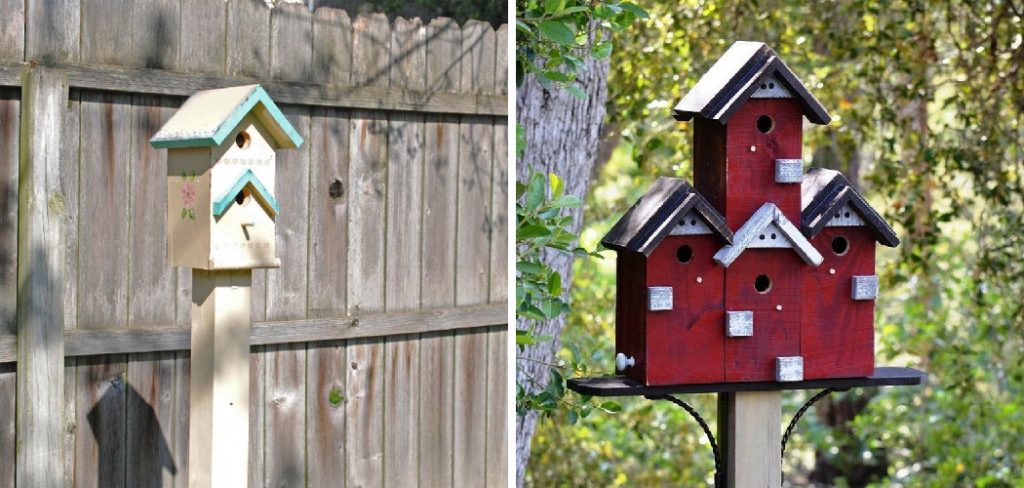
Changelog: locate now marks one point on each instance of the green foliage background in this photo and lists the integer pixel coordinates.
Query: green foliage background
(926, 98)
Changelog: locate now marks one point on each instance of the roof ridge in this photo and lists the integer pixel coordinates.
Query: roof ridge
(745, 236)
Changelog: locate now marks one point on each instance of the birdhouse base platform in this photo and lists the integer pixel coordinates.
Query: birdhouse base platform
(607, 386)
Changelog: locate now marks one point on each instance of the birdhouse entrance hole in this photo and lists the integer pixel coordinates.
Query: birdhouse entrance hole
(840, 245)
(762, 283)
(242, 140)
(243, 197)
(684, 254)
(765, 124)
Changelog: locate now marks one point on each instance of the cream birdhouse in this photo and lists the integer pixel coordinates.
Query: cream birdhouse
(221, 209)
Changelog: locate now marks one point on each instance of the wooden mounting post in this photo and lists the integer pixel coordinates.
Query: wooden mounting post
(218, 446)
(750, 436)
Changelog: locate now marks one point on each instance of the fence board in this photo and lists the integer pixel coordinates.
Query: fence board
(325, 413)
(8, 381)
(103, 21)
(103, 230)
(152, 285)
(248, 38)
(203, 43)
(100, 439)
(367, 176)
(179, 427)
(257, 415)
(12, 33)
(364, 424)
(497, 406)
(473, 250)
(328, 207)
(499, 171)
(69, 188)
(10, 121)
(291, 39)
(285, 446)
(54, 35)
(332, 46)
(156, 25)
(149, 414)
(70, 419)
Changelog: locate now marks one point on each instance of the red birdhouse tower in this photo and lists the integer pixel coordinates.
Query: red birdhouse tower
(700, 303)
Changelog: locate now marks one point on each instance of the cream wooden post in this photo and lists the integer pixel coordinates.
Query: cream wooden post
(750, 434)
(218, 449)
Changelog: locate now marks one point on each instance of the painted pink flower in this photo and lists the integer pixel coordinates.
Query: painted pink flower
(188, 194)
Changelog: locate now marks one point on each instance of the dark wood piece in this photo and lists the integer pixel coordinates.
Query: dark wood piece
(824, 191)
(609, 386)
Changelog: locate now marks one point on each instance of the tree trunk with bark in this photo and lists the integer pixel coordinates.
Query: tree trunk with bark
(562, 135)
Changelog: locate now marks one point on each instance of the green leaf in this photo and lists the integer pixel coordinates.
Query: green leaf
(554, 6)
(555, 284)
(520, 141)
(573, 417)
(575, 90)
(566, 201)
(639, 12)
(535, 193)
(611, 407)
(601, 50)
(556, 31)
(532, 231)
(557, 185)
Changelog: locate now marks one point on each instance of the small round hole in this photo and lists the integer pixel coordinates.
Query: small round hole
(771, 85)
(763, 86)
(773, 236)
(765, 124)
(761, 237)
(846, 214)
(242, 140)
(762, 283)
(242, 198)
(684, 254)
(840, 245)
(693, 221)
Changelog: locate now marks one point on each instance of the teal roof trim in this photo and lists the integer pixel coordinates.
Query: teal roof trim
(247, 179)
(258, 96)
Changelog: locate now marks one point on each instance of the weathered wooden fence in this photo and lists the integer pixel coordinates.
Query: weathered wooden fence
(379, 350)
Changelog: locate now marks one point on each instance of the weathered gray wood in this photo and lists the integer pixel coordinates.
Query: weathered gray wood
(368, 149)
(121, 341)
(180, 423)
(291, 43)
(285, 403)
(436, 415)
(408, 54)
(40, 314)
(248, 38)
(70, 418)
(152, 283)
(497, 405)
(8, 383)
(444, 68)
(156, 25)
(204, 43)
(103, 21)
(12, 33)
(499, 184)
(10, 73)
(10, 121)
(103, 205)
(149, 415)
(69, 187)
(371, 43)
(332, 46)
(468, 467)
(401, 409)
(100, 437)
(53, 33)
(328, 208)
(325, 413)
(114, 78)
(364, 422)
(257, 414)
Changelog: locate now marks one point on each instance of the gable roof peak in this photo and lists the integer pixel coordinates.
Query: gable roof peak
(751, 234)
(735, 77)
(209, 116)
(823, 192)
(657, 212)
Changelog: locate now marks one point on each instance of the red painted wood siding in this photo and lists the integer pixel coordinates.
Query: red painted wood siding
(776, 333)
(685, 345)
(838, 334)
(630, 310)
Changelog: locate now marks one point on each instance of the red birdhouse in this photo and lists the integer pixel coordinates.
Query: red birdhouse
(699, 303)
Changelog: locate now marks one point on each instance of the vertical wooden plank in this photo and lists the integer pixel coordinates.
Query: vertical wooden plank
(182, 378)
(12, 32)
(40, 315)
(325, 414)
(100, 440)
(248, 38)
(328, 208)
(499, 183)
(157, 29)
(473, 253)
(10, 108)
(332, 46)
(257, 413)
(497, 406)
(754, 423)
(8, 384)
(52, 30)
(291, 39)
(70, 419)
(103, 205)
(367, 199)
(204, 37)
(69, 187)
(437, 350)
(149, 416)
(285, 446)
(103, 21)
(152, 286)
(402, 268)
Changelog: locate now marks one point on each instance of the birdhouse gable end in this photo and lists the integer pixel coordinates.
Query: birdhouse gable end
(209, 116)
(768, 228)
(247, 180)
(829, 200)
